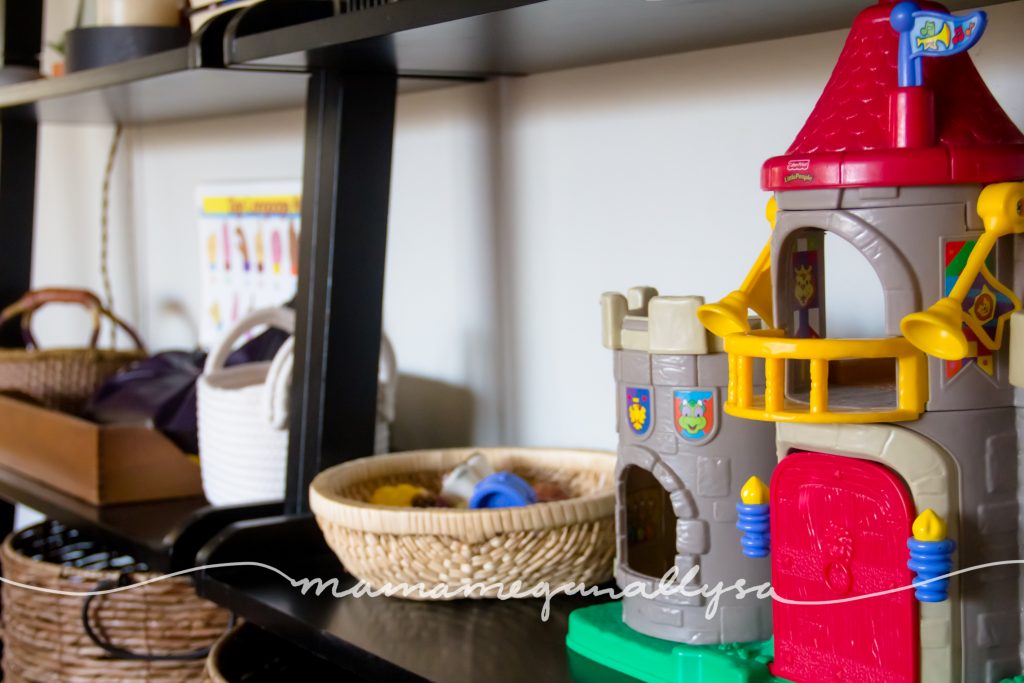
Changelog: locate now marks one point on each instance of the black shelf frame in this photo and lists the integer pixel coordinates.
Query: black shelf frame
(157, 88)
(23, 30)
(346, 184)
(451, 38)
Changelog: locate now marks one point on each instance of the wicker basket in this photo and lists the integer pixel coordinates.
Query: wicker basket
(46, 640)
(63, 379)
(569, 541)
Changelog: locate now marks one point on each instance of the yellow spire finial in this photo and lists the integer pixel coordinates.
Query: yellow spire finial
(929, 527)
(754, 492)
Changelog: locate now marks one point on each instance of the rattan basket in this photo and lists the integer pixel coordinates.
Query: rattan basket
(62, 379)
(569, 541)
(45, 637)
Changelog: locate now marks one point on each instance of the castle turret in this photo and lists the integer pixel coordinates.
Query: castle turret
(681, 462)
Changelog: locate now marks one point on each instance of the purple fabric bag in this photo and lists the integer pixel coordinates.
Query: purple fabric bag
(161, 390)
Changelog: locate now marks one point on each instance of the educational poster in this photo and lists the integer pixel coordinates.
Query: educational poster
(249, 243)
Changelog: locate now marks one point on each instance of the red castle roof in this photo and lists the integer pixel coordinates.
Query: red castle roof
(848, 139)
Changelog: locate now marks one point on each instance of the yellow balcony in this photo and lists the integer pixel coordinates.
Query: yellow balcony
(807, 363)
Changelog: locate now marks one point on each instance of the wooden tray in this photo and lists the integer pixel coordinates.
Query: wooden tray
(101, 464)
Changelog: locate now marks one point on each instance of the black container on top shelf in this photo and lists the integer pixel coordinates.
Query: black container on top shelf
(92, 46)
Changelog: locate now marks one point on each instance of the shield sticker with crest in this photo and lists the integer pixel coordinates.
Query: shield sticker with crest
(694, 414)
(639, 411)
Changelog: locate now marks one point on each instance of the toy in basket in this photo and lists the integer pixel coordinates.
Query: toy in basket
(243, 417)
(243, 414)
(560, 542)
(62, 379)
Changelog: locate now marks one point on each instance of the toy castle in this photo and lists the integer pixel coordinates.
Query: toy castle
(879, 462)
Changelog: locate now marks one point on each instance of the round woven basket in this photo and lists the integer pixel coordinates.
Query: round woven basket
(45, 640)
(568, 541)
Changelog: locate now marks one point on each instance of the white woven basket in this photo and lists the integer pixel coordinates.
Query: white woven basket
(243, 417)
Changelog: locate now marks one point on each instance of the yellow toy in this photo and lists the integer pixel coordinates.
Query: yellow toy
(399, 495)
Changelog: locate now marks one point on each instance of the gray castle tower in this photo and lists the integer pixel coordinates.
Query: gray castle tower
(681, 464)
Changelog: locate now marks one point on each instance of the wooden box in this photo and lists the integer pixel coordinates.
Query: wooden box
(101, 464)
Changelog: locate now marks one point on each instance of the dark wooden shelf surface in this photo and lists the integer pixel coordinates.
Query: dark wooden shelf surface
(491, 37)
(431, 43)
(165, 534)
(156, 88)
(145, 529)
(381, 638)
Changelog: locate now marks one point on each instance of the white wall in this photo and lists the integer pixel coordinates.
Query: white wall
(514, 205)
(69, 181)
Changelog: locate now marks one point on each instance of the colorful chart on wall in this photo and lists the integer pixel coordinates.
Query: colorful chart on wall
(248, 241)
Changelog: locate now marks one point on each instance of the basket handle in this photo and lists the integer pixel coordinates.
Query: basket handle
(32, 301)
(281, 318)
(277, 388)
(120, 652)
(388, 378)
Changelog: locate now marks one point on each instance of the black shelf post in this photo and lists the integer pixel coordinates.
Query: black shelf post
(346, 184)
(22, 31)
(23, 38)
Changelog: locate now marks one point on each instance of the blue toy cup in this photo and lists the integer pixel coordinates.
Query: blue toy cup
(502, 490)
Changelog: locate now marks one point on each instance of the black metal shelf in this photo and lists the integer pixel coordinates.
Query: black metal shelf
(430, 43)
(164, 87)
(381, 638)
(159, 87)
(165, 534)
(492, 37)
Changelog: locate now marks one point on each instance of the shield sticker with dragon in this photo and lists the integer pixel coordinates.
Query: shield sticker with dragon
(694, 414)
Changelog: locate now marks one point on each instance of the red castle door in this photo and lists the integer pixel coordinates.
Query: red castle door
(839, 528)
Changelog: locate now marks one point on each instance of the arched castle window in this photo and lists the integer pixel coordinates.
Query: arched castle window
(650, 524)
(854, 300)
(837, 277)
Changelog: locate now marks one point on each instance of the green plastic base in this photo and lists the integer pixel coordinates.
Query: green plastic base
(599, 634)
